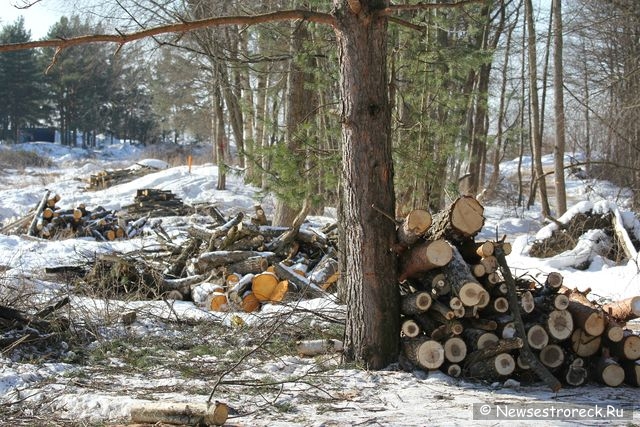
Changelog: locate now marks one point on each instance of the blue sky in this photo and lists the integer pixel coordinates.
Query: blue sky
(37, 18)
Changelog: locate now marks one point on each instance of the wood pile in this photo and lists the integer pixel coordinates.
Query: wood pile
(107, 178)
(464, 313)
(245, 265)
(154, 203)
(49, 221)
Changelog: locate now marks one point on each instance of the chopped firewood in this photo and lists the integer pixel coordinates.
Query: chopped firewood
(410, 328)
(455, 349)
(559, 324)
(463, 284)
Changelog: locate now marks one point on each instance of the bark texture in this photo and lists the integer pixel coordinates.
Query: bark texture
(370, 289)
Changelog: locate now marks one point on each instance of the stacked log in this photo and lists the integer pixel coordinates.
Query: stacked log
(152, 202)
(107, 178)
(467, 316)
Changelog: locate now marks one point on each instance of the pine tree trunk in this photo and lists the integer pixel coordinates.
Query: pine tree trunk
(371, 292)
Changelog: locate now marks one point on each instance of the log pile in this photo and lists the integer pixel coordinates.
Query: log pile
(107, 178)
(245, 265)
(49, 221)
(155, 203)
(463, 312)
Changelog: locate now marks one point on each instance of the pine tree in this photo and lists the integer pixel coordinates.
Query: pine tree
(20, 83)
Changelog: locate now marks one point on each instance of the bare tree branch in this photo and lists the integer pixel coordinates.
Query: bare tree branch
(122, 38)
(26, 4)
(421, 6)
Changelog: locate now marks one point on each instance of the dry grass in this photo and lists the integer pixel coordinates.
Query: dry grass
(20, 159)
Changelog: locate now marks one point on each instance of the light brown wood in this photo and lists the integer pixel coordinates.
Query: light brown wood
(478, 339)
(613, 332)
(424, 352)
(410, 328)
(587, 318)
(527, 303)
(609, 372)
(554, 281)
(484, 249)
(559, 324)
(180, 413)
(415, 224)
(423, 257)
(583, 344)
(461, 220)
(493, 368)
(463, 284)
(624, 310)
(627, 348)
(417, 302)
(490, 264)
(455, 349)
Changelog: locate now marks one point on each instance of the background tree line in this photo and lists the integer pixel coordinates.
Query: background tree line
(266, 97)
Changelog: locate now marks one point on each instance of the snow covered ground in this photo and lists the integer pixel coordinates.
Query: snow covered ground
(265, 389)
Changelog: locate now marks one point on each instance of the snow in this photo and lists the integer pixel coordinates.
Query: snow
(311, 391)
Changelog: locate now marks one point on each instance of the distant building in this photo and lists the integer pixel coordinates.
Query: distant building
(40, 134)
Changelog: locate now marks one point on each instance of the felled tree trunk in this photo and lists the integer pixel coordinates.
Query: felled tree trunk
(180, 413)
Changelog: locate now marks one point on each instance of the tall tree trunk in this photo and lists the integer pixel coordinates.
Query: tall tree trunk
(497, 152)
(558, 84)
(369, 278)
(221, 138)
(535, 111)
(301, 107)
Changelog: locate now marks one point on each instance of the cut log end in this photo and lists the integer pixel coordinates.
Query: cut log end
(467, 215)
(552, 356)
(472, 293)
